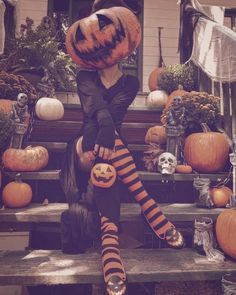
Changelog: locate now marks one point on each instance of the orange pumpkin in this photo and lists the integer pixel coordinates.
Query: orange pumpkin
(220, 195)
(225, 231)
(206, 151)
(17, 194)
(156, 134)
(28, 159)
(6, 105)
(103, 38)
(103, 175)
(185, 169)
(84, 163)
(153, 78)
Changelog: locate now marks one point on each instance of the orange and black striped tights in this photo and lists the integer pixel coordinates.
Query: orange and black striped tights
(124, 164)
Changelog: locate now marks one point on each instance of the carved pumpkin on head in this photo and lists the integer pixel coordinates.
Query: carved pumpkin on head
(103, 38)
(103, 175)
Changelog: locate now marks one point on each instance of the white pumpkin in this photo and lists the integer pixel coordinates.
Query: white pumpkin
(49, 109)
(157, 98)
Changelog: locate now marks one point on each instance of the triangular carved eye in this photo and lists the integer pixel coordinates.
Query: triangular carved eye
(103, 21)
(79, 36)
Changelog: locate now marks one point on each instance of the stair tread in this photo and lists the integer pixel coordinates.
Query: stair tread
(144, 175)
(52, 267)
(129, 212)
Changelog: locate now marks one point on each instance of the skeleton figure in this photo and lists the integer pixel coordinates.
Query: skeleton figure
(176, 113)
(20, 109)
(167, 163)
(204, 199)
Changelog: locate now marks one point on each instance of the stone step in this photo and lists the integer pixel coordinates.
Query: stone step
(39, 213)
(52, 267)
(151, 177)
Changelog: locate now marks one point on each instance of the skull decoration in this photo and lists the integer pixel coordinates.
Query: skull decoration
(167, 163)
(103, 175)
(103, 38)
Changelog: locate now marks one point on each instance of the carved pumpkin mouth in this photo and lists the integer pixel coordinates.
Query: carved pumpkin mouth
(103, 178)
(103, 51)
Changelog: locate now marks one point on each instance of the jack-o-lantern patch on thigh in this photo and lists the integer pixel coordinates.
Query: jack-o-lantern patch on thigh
(103, 175)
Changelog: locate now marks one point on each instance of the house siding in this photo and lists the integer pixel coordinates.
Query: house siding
(159, 13)
(34, 9)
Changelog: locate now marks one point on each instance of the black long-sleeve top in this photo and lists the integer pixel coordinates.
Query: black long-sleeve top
(114, 101)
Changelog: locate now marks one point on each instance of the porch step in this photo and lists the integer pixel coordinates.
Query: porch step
(38, 213)
(52, 267)
(151, 177)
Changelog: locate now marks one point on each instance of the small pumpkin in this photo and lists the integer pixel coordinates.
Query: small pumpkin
(49, 109)
(6, 105)
(184, 169)
(225, 231)
(220, 195)
(157, 98)
(153, 78)
(206, 151)
(103, 38)
(84, 163)
(28, 159)
(156, 134)
(17, 194)
(103, 175)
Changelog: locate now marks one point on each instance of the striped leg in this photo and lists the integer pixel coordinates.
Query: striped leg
(126, 169)
(111, 260)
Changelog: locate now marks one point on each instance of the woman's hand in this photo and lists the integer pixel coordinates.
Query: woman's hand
(89, 155)
(102, 152)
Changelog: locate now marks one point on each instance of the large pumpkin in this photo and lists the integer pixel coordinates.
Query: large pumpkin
(207, 151)
(49, 109)
(157, 98)
(103, 38)
(17, 194)
(225, 231)
(28, 159)
(6, 105)
(156, 134)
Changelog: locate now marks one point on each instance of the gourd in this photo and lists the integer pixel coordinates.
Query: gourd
(156, 134)
(49, 109)
(225, 231)
(28, 159)
(206, 151)
(17, 194)
(103, 38)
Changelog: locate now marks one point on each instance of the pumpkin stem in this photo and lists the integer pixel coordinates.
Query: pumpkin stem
(18, 177)
(180, 87)
(205, 127)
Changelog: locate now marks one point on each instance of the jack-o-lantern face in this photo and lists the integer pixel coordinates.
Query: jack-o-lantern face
(103, 175)
(103, 38)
